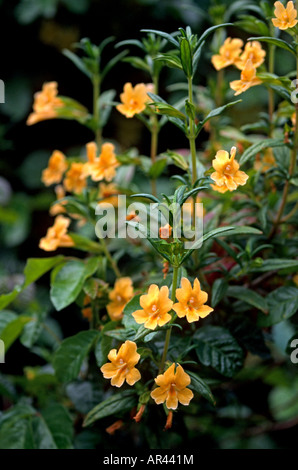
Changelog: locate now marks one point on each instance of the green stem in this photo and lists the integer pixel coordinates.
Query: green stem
(270, 91)
(153, 150)
(192, 137)
(278, 218)
(219, 87)
(168, 335)
(96, 111)
(110, 258)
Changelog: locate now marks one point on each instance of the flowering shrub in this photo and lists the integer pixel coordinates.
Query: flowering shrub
(166, 323)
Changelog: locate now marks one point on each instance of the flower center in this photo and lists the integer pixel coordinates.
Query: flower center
(119, 298)
(154, 308)
(192, 300)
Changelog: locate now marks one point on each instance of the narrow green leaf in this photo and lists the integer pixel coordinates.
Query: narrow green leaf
(275, 42)
(114, 405)
(256, 148)
(282, 304)
(249, 296)
(13, 330)
(219, 289)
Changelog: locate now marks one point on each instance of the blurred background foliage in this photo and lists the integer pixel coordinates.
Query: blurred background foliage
(34, 34)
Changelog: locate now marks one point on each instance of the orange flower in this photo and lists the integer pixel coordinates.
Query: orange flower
(267, 162)
(119, 296)
(191, 301)
(253, 51)
(172, 388)
(59, 207)
(165, 232)
(75, 180)
(248, 79)
(104, 166)
(108, 193)
(227, 175)
(156, 306)
(56, 167)
(133, 99)
(228, 53)
(285, 17)
(122, 365)
(87, 310)
(57, 235)
(45, 104)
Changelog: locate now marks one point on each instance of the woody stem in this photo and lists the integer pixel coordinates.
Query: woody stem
(168, 335)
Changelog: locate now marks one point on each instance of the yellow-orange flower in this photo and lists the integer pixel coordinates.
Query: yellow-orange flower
(228, 53)
(285, 17)
(104, 166)
(172, 388)
(165, 232)
(133, 99)
(56, 167)
(122, 365)
(248, 79)
(59, 207)
(87, 309)
(108, 193)
(191, 301)
(267, 162)
(46, 103)
(253, 51)
(227, 175)
(156, 306)
(119, 296)
(75, 178)
(57, 235)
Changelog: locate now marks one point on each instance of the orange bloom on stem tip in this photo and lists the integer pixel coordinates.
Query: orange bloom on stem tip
(228, 53)
(75, 178)
(119, 296)
(122, 365)
(56, 167)
(248, 79)
(191, 301)
(133, 99)
(285, 17)
(227, 175)
(253, 51)
(87, 310)
(58, 208)
(165, 232)
(57, 235)
(172, 388)
(156, 306)
(45, 104)
(104, 166)
(267, 161)
(108, 193)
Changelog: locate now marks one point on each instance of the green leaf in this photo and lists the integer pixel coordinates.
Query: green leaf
(283, 402)
(198, 385)
(104, 343)
(251, 24)
(84, 243)
(282, 304)
(69, 357)
(13, 330)
(186, 57)
(275, 264)
(219, 289)
(275, 42)
(105, 106)
(170, 60)
(249, 296)
(6, 317)
(68, 280)
(34, 269)
(256, 148)
(77, 61)
(118, 403)
(60, 425)
(112, 63)
(209, 31)
(218, 111)
(217, 348)
(128, 320)
(163, 35)
(168, 110)
(157, 168)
